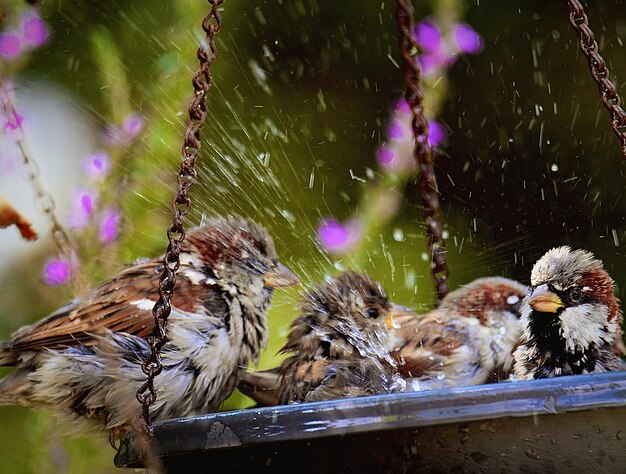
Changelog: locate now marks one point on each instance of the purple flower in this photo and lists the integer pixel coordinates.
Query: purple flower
(385, 156)
(34, 31)
(109, 223)
(397, 130)
(131, 128)
(133, 125)
(10, 45)
(431, 63)
(402, 106)
(436, 133)
(83, 205)
(15, 123)
(56, 272)
(428, 36)
(339, 238)
(467, 39)
(97, 165)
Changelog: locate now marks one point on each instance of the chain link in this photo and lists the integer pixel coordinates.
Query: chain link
(423, 152)
(599, 71)
(43, 198)
(202, 80)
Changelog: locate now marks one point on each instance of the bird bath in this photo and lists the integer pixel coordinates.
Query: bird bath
(553, 425)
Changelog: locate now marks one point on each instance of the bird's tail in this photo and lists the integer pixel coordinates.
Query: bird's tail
(263, 387)
(7, 357)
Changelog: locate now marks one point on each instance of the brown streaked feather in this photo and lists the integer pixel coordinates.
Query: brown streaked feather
(231, 238)
(483, 295)
(428, 344)
(301, 377)
(107, 307)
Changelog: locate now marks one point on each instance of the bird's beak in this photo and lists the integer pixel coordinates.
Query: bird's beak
(545, 301)
(397, 313)
(280, 276)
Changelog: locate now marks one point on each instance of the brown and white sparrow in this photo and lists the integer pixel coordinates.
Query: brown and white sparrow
(86, 357)
(571, 319)
(338, 343)
(467, 340)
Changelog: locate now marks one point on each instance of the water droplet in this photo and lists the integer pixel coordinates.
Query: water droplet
(424, 257)
(554, 167)
(398, 235)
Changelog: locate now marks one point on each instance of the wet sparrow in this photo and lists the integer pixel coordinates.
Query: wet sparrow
(86, 357)
(338, 343)
(571, 320)
(468, 340)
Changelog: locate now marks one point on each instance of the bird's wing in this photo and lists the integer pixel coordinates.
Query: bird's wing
(423, 345)
(300, 377)
(121, 304)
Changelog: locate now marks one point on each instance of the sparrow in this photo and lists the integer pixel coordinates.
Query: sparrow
(571, 319)
(85, 358)
(467, 340)
(9, 216)
(338, 343)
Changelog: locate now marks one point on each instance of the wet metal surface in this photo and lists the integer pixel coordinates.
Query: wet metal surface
(465, 426)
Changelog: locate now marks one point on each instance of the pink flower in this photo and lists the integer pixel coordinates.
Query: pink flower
(439, 51)
(467, 40)
(97, 165)
(83, 206)
(14, 123)
(385, 156)
(436, 133)
(34, 30)
(56, 272)
(428, 36)
(433, 62)
(109, 223)
(10, 45)
(131, 128)
(339, 238)
(133, 125)
(402, 106)
(398, 129)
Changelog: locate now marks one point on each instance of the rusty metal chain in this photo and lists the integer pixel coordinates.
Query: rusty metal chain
(423, 152)
(599, 71)
(43, 198)
(181, 205)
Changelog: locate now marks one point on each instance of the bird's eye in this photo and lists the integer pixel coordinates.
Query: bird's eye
(372, 312)
(575, 295)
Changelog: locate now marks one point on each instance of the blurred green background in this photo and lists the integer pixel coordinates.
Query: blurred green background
(301, 101)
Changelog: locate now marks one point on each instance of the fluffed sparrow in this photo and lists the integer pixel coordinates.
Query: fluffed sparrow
(468, 340)
(571, 319)
(338, 344)
(86, 357)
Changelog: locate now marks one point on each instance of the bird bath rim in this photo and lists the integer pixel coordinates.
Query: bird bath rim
(301, 422)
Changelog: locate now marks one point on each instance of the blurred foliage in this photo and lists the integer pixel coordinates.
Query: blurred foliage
(301, 99)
